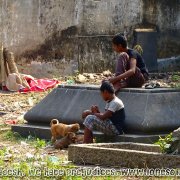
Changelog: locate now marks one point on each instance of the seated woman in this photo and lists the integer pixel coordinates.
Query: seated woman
(131, 70)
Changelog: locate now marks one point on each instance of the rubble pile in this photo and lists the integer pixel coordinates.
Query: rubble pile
(162, 79)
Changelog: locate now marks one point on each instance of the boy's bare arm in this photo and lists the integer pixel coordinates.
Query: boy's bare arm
(104, 116)
(95, 109)
(86, 113)
(127, 74)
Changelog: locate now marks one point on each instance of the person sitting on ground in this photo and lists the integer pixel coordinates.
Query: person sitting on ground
(131, 70)
(111, 122)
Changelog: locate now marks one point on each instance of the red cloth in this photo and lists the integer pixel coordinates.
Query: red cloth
(39, 84)
(11, 122)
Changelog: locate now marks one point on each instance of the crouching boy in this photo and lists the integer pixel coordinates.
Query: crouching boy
(111, 121)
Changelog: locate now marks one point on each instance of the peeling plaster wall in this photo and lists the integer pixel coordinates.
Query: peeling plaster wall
(28, 23)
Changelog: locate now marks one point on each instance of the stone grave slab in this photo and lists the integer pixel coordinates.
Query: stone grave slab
(124, 155)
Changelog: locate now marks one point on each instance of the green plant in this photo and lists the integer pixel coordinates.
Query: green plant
(3, 151)
(11, 136)
(175, 78)
(1, 163)
(24, 167)
(39, 143)
(70, 78)
(175, 85)
(3, 125)
(165, 142)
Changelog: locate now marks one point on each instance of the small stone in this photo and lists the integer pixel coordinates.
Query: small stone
(29, 155)
(7, 157)
(107, 73)
(85, 74)
(175, 145)
(24, 143)
(80, 78)
(91, 76)
(30, 101)
(66, 162)
(176, 133)
(37, 165)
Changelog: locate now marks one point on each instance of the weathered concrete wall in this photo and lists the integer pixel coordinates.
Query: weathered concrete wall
(110, 17)
(77, 33)
(28, 23)
(27, 26)
(165, 15)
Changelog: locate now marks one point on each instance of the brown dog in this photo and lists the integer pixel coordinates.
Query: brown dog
(60, 129)
(79, 139)
(64, 142)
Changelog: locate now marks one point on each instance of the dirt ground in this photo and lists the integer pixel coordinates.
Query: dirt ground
(12, 108)
(14, 105)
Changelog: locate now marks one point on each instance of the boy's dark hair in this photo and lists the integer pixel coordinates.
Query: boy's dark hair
(120, 39)
(107, 86)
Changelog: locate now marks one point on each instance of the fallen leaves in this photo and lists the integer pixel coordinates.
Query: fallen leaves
(13, 106)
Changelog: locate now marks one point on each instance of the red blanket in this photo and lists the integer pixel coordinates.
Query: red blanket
(39, 84)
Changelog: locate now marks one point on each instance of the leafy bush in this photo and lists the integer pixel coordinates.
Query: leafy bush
(165, 143)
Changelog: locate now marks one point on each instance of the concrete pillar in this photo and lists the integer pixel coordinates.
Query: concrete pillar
(147, 38)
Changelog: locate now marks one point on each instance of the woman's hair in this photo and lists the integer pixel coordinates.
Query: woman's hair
(120, 39)
(107, 86)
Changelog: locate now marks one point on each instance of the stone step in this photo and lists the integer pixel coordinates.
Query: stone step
(43, 132)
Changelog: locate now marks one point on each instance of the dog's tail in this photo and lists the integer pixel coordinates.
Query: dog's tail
(54, 121)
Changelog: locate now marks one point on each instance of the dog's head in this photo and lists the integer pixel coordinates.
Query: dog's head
(75, 127)
(72, 136)
(54, 121)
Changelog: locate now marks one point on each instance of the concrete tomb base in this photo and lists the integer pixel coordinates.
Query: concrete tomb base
(125, 155)
(148, 111)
